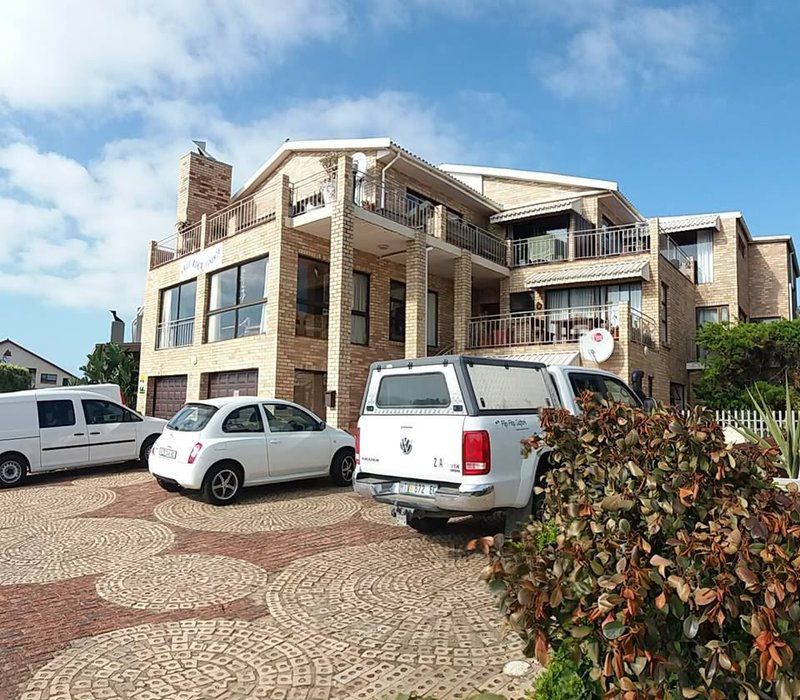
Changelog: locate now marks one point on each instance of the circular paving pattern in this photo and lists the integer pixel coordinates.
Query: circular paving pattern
(263, 514)
(416, 601)
(180, 582)
(61, 549)
(380, 513)
(124, 478)
(33, 505)
(186, 660)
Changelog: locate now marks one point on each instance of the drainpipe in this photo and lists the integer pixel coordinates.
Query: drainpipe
(383, 178)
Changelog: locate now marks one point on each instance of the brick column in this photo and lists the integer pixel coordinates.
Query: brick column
(203, 231)
(341, 295)
(462, 301)
(200, 307)
(505, 295)
(416, 296)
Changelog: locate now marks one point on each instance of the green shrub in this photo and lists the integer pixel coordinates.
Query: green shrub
(565, 679)
(676, 565)
(13, 378)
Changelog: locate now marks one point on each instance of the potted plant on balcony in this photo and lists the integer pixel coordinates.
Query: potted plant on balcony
(328, 186)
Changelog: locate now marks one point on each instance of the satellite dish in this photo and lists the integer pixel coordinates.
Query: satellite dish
(597, 345)
(360, 162)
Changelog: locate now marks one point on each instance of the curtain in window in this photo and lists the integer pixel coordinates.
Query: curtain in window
(705, 257)
(583, 296)
(166, 305)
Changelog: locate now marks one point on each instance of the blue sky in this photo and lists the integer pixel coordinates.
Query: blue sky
(690, 106)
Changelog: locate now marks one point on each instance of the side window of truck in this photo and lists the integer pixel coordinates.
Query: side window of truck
(56, 414)
(607, 388)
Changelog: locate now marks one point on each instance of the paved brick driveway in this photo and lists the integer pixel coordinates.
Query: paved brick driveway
(113, 588)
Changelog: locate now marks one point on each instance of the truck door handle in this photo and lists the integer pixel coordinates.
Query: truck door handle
(76, 434)
(95, 432)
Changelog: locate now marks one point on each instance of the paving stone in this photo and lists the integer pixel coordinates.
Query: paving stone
(130, 477)
(33, 505)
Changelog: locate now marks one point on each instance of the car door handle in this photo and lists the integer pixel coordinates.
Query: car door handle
(95, 432)
(273, 441)
(76, 434)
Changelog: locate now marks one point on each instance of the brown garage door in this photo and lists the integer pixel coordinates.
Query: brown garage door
(245, 381)
(169, 394)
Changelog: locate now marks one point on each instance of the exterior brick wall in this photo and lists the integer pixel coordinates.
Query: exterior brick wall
(204, 186)
(516, 193)
(768, 279)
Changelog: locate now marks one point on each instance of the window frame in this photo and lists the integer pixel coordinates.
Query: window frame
(324, 307)
(682, 392)
(244, 432)
(128, 417)
(236, 308)
(319, 425)
(416, 375)
(361, 314)
(603, 378)
(701, 353)
(53, 382)
(397, 284)
(40, 403)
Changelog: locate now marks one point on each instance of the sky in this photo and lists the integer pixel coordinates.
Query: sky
(691, 106)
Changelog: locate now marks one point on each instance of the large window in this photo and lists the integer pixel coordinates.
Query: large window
(313, 278)
(238, 301)
(176, 328)
(427, 390)
(577, 297)
(432, 319)
(710, 314)
(699, 245)
(397, 310)
(359, 315)
(664, 306)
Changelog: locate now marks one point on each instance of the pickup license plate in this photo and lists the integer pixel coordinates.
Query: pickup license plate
(167, 452)
(416, 489)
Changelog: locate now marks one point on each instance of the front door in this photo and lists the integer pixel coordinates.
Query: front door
(62, 432)
(296, 442)
(112, 432)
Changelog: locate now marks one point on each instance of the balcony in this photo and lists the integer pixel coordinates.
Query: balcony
(176, 246)
(175, 334)
(641, 329)
(673, 254)
(474, 239)
(391, 202)
(313, 192)
(581, 245)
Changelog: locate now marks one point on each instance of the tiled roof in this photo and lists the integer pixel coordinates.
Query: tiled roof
(673, 224)
(552, 207)
(600, 272)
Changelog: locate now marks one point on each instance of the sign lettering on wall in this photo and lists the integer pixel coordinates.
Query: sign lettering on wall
(202, 261)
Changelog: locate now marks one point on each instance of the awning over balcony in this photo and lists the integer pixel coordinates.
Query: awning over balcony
(602, 272)
(548, 358)
(529, 210)
(673, 224)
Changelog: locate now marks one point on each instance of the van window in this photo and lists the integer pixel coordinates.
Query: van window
(428, 390)
(103, 412)
(509, 388)
(192, 417)
(56, 414)
(245, 419)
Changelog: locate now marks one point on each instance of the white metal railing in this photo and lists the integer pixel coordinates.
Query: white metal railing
(548, 247)
(751, 419)
(392, 202)
(641, 328)
(177, 245)
(476, 240)
(235, 218)
(612, 240)
(313, 192)
(175, 334)
(547, 327)
(672, 252)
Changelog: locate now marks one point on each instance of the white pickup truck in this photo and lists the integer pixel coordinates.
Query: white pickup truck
(440, 437)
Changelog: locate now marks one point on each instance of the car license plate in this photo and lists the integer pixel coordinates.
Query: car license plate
(167, 452)
(416, 489)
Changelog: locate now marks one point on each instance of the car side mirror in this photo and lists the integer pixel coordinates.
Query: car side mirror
(322, 425)
(649, 404)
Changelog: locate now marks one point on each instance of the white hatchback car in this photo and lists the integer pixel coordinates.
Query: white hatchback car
(218, 446)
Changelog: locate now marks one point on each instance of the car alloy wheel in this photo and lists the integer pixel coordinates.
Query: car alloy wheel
(225, 484)
(348, 468)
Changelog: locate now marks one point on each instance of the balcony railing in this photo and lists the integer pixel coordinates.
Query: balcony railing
(238, 217)
(641, 329)
(175, 334)
(548, 327)
(391, 202)
(313, 192)
(474, 239)
(671, 252)
(580, 245)
(176, 246)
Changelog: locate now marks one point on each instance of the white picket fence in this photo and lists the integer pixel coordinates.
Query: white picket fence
(750, 419)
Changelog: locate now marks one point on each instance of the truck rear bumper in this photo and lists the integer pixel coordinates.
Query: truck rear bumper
(467, 498)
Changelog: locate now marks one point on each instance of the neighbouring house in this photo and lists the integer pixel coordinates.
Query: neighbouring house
(339, 253)
(43, 372)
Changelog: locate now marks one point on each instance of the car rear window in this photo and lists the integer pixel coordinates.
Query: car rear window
(427, 390)
(192, 417)
(509, 388)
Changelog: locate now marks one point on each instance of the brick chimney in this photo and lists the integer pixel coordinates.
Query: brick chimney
(204, 185)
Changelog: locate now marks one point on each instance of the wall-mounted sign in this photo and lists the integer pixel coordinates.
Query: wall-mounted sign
(202, 261)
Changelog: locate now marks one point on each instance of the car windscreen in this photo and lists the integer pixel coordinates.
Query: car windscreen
(424, 390)
(192, 417)
(509, 388)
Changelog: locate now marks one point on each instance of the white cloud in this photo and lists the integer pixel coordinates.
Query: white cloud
(81, 231)
(95, 52)
(625, 47)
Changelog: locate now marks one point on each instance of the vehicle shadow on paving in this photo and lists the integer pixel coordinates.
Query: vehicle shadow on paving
(57, 478)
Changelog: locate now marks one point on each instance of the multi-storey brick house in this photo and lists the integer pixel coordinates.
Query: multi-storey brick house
(339, 253)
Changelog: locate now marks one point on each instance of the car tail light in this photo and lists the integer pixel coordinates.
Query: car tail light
(195, 451)
(476, 452)
(357, 436)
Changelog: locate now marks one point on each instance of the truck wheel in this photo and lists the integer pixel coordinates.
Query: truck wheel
(13, 470)
(427, 525)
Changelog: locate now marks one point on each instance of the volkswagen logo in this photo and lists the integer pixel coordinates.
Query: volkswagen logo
(405, 446)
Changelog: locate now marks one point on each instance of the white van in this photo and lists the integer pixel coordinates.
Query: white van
(69, 427)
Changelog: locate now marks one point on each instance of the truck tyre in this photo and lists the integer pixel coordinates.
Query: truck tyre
(13, 470)
(427, 525)
(343, 467)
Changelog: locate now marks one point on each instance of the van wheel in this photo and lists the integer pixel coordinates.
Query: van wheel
(427, 525)
(222, 484)
(147, 447)
(343, 467)
(13, 470)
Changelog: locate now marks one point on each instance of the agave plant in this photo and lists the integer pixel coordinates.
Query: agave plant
(786, 439)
